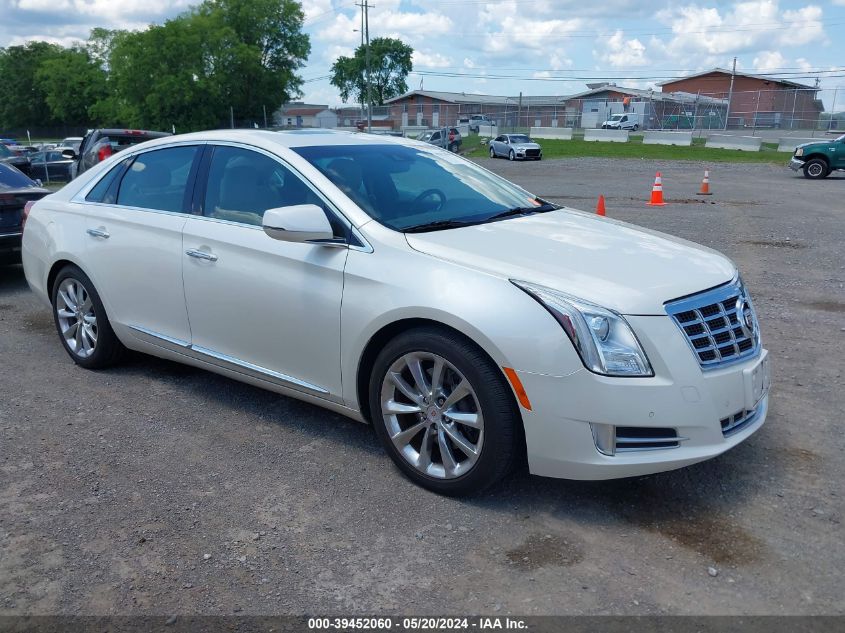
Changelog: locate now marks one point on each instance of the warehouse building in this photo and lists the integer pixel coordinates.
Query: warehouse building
(756, 100)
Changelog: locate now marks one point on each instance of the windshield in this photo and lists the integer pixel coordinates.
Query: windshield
(519, 138)
(11, 178)
(840, 139)
(5, 152)
(406, 187)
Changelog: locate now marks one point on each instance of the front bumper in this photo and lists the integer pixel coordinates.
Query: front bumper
(796, 164)
(566, 411)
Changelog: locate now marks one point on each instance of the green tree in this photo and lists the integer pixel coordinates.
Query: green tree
(188, 72)
(390, 63)
(161, 77)
(261, 47)
(23, 103)
(71, 83)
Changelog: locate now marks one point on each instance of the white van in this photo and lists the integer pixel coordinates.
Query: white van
(622, 121)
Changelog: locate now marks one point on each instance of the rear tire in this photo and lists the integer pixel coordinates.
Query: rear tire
(816, 169)
(492, 153)
(81, 321)
(485, 419)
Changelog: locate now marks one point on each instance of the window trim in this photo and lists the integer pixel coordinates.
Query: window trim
(353, 239)
(130, 153)
(187, 195)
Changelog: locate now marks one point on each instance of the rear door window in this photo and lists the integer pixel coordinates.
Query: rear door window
(159, 180)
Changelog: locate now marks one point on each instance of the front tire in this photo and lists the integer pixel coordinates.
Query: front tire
(443, 412)
(511, 155)
(816, 169)
(81, 321)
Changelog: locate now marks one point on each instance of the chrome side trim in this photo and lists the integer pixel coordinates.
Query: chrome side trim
(161, 337)
(229, 362)
(262, 372)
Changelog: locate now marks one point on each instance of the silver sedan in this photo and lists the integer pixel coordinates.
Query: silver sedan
(515, 147)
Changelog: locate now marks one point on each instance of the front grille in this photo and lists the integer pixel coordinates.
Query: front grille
(720, 325)
(735, 423)
(532, 153)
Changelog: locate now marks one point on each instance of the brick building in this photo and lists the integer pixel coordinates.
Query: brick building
(756, 101)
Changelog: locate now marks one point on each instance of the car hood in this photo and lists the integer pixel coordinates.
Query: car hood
(819, 143)
(610, 263)
(527, 146)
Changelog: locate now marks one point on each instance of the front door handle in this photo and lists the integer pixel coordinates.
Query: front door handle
(201, 255)
(98, 233)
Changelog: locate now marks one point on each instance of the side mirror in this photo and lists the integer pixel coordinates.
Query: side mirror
(68, 153)
(299, 223)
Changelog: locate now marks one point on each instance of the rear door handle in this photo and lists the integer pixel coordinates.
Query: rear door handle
(98, 233)
(201, 255)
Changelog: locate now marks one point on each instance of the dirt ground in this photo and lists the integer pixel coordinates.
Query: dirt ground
(159, 489)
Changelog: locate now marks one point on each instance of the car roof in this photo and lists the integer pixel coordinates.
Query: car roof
(288, 138)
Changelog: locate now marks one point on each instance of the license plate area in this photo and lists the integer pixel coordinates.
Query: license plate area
(757, 381)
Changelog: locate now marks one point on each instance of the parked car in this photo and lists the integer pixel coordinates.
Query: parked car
(50, 165)
(515, 147)
(819, 158)
(16, 191)
(476, 120)
(623, 121)
(99, 144)
(18, 161)
(72, 142)
(446, 137)
(393, 282)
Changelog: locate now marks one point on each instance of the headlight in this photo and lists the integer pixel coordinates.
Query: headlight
(799, 151)
(602, 338)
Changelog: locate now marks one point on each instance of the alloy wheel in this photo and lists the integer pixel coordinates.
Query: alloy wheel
(815, 170)
(432, 415)
(76, 317)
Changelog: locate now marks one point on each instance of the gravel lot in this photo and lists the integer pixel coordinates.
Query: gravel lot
(160, 489)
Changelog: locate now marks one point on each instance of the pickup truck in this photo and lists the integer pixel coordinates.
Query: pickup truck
(819, 158)
(99, 144)
(445, 137)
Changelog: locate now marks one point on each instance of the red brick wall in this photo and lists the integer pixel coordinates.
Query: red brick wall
(752, 95)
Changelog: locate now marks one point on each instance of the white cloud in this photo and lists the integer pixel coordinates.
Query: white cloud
(468, 63)
(430, 60)
(769, 60)
(621, 53)
(747, 26)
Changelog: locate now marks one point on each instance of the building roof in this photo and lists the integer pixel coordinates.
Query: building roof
(455, 97)
(723, 71)
(652, 95)
(303, 111)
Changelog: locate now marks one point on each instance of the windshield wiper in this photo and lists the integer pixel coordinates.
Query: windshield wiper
(438, 225)
(543, 208)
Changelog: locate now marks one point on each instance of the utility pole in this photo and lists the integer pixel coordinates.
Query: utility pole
(365, 41)
(264, 107)
(367, 63)
(730, 95)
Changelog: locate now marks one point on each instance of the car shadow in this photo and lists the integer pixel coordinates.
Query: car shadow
(12, 278)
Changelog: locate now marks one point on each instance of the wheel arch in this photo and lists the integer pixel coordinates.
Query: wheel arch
(818, 155)
(390, 331)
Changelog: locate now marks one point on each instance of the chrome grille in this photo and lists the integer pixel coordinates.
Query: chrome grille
(720, 325)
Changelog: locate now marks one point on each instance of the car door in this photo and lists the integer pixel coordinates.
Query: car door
(436, 139)
(134, 241)
(837, 154)
(259, 306)
(497, 147)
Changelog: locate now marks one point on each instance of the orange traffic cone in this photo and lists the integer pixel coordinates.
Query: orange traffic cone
(705, 185)
(600, 206)
(657, 193)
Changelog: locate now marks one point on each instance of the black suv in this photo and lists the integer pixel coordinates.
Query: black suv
(98, 145)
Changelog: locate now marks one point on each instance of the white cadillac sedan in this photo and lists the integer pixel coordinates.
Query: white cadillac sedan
(396, 283)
